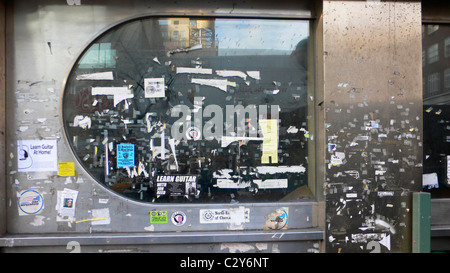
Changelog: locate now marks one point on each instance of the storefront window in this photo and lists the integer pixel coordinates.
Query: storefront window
(436, 100)
(194, 110)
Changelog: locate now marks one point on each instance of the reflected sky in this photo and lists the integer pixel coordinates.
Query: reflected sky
(274, 37)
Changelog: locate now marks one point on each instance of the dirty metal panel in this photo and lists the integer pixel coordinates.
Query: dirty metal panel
(44, 41)
(373, 109)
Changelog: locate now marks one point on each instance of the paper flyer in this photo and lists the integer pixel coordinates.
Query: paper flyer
(37, 155)
(154, 88)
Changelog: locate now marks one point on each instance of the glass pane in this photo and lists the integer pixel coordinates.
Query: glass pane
(194, 110)
(436, 100)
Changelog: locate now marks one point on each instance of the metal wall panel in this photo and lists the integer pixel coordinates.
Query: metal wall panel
(373, 109)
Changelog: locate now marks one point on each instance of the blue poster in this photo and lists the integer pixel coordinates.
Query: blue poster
(125, 155)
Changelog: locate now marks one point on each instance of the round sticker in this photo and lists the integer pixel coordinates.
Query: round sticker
(193, 133)
(178, 218)
(30, 202)
(208, 216)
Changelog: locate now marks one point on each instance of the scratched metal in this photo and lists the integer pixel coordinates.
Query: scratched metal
(373, 109)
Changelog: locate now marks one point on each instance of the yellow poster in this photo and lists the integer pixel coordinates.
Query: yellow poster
(269, 128)
(66, 169)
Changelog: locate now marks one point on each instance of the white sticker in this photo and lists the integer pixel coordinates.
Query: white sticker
(30, 202)
(178, 218)
(220, 216)
(154, 88)
(37, 156)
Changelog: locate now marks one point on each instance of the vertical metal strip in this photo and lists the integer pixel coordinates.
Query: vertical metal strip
(2, 116)
(421, 222)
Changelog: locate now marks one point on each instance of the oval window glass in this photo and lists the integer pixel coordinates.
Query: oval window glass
(194, 110)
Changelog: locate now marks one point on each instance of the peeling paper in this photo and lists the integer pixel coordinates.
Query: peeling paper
(83, 122)
(172, 147)
(262, 184)
(254, 74)
(277, 220)
(195, 47)
(231, 73)
(194, 70)
(227, 140)
(221, 84)
(119, 93)
(97, 76)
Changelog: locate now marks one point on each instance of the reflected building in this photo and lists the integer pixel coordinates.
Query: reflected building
(436, 64)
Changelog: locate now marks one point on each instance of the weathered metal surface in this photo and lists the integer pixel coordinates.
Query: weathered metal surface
(373, 119)
(44, 39)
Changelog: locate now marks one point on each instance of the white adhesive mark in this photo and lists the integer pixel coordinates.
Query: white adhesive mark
(74, 2)
(194, 70)
(23, 128)
(150, 228)
(101, 213)
(96, 76)
(236, 247)
(38, 221)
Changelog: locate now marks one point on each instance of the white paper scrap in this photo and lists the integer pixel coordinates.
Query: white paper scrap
(221, 84)
(119, 93)
(97, 76)
(194, 70)
(430, 180)
(254, 74)
(231, 73)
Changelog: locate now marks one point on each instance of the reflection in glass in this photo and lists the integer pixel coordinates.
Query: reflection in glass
(436, 100)
(194, 110)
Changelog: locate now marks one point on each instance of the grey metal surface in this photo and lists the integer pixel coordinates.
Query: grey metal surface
(160, 238)
(43, 40)
(373, 116)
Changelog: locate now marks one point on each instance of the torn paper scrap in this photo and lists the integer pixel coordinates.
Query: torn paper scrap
(194, 70)
(231, 73)
(194, 47)
(221, 84)
(262, 184)
(81, 121)
(172, 147)
(254, 74)
(430, 180)
(96, 76)
(227, 140)
(119, 93)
